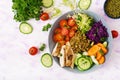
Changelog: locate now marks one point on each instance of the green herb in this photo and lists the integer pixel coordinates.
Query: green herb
(46, 27)
(103, 39)
(60, 54)
(26, 9)
(42, 47)
(101, 51)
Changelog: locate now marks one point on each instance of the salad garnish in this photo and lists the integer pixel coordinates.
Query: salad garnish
(46, 27)
(42, 47)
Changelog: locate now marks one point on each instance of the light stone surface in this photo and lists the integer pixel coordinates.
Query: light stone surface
(17, 64)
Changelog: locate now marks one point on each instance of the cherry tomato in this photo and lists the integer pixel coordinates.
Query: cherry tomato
(33, 50)
(71, 22)
(67, 38)
(64, 31)
(63, 23)
(57, 37)
(75, 27)
(71, 33)
(44, 16)
(62, 42)
(114, 34)
(57, 30)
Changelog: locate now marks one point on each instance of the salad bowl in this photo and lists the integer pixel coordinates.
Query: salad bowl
(96, 18)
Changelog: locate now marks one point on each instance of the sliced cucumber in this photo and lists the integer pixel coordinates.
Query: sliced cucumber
(46, 60)
(47, 3)
(89, 58)
(77, 56)
(83, 63)
(84, 4)
(25, 28)
(79, 68)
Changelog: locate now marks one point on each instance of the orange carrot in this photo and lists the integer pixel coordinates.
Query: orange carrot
(98, 55)
(93, 50)
(101, 60)
(102, 47)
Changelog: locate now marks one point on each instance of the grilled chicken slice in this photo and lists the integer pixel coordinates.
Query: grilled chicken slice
(56, 50)
(62, 60)
(70, 56)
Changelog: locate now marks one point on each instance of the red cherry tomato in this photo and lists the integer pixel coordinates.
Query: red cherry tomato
(33, 50)
(75, 27)
(64, 31)
(71, 22)
(57, 30)
(63, 23)
(67, 38)
(71, 33)
(57, 37)
(114, 33)
(44, 16)
(62, 42)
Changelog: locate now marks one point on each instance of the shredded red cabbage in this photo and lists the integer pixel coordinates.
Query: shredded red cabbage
(97, 33)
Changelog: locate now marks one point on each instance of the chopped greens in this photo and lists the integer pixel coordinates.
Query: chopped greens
(42, 47)
(26, 9)
(46, 27)
(83, 21)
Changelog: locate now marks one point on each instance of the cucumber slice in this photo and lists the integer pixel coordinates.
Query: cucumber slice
(77, 56)
(79, 68)
(25, 28)
(46, 60)
(84, 4)
(47, 3)
(89, 58)
(84, 63)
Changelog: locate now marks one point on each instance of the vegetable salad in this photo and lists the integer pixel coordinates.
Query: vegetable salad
(81, 42)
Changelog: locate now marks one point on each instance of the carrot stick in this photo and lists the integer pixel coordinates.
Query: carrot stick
(93, 50)
(102, 47)
(101, 60)
(98, 55)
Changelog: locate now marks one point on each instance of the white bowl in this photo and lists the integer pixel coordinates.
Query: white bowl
(96, 18)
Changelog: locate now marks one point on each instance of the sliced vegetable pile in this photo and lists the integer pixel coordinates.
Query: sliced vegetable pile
(81, 42)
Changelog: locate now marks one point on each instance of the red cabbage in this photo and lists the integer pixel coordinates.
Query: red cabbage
(97, 33)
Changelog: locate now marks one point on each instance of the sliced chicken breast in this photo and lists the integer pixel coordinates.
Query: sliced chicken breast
(70, 56)
(56, 50)
(62, 56)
